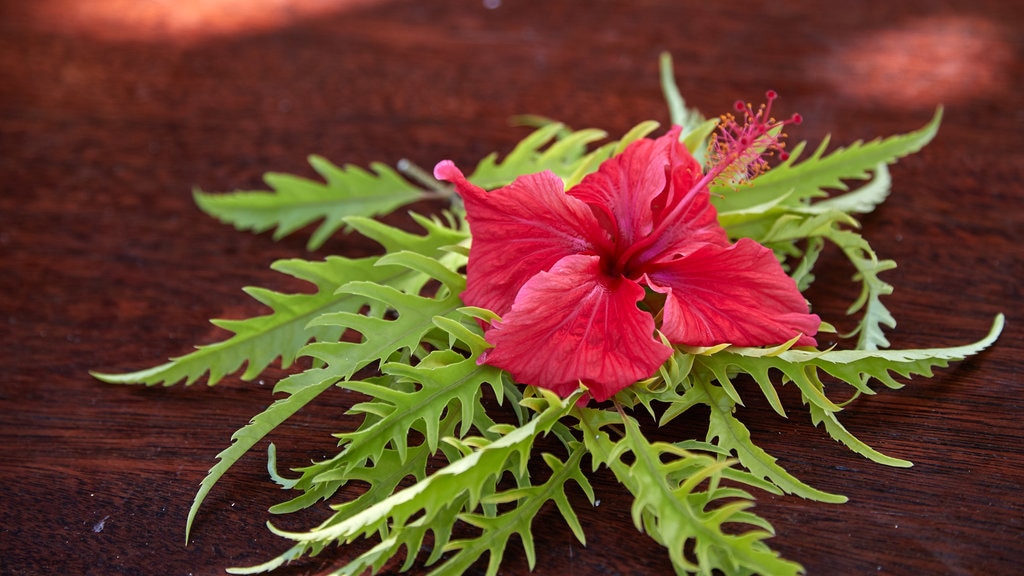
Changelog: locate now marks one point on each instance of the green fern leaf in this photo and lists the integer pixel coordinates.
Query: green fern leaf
(450, 386)
(562, 154)
(434, 502)
(668, 506)
(875, 314)
(839, 432)
(305, 387)
(295, 202)
(729, 433)
(382, 337)
(258, 341)
(497, 529)
(322, 480)
(855, 367)
(862, 200)
(439, 236)
(446, 384)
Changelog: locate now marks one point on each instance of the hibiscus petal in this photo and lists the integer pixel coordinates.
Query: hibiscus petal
(624, 187)
(518, 231)
(575, 324)
(738, 295)
(687, 220)
(651, 198)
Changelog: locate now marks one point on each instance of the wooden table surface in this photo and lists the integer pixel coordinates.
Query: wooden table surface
(111, 111)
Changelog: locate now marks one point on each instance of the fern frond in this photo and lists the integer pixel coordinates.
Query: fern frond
(840, 434)
(727, 432)
(381, 337)
(547, 148)
(862, 200)
(670, 508)
(434, 502)
(295, 202)
(453, 384)
(259, 340)
(304, 388)
(497, 529)
(439, 235)
(283, 333)
(804, 368)
(553, 147)
(321, 480)
(875, 314)
(856, 366)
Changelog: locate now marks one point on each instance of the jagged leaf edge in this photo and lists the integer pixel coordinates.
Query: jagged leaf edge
(289, 312)
(648, 464)
(312, 383)
(328, 276)
(496, 530)
(294, 202)
(853, 367)
(429, 494)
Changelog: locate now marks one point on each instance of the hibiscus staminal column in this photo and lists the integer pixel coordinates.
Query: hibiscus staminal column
(739, 152)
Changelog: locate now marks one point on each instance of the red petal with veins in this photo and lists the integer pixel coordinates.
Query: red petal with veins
(575, 324)
(687, 220)
(738, 295)
(624, 187)
(518, 231)
(652, 188)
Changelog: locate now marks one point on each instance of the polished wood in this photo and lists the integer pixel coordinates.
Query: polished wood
(112, 111)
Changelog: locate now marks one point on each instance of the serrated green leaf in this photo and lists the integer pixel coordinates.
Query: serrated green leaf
(862, 200)
(454, 386)
(284, 333)
(321, 480)
(430, 501)
(295, 202)
(258, 341)
(729, 433)
(663, 480)
(497, 529)
(438, 237)
(839, 432)
(381, 337)
(853, 366)
(313, 383)
(547, 148)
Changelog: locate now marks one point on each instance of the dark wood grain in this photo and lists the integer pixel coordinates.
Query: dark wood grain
(111, 111)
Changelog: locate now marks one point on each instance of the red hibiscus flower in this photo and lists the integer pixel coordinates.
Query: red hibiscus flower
(585, 279)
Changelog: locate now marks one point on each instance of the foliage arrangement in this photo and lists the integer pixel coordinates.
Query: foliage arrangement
(396, 329)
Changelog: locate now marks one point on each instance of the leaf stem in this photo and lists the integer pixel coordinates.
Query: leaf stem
(436, 188)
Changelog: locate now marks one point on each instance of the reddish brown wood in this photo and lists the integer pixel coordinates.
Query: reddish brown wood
(110, 112)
